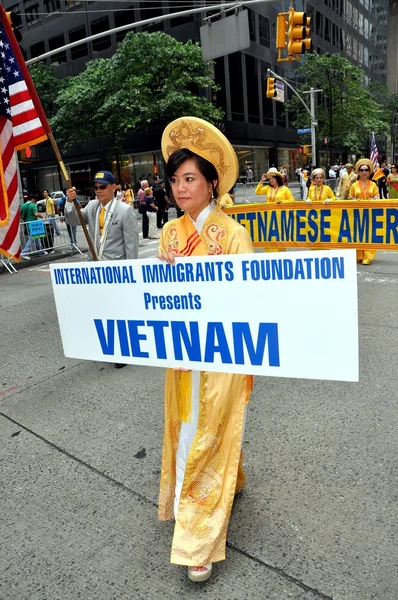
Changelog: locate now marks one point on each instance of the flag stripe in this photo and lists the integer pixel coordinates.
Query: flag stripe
(21, 118)
(22, 107)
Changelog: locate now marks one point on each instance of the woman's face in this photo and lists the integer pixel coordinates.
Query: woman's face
(273, 182)
(364, 172)
(190, 189)
(318, 179)
(394, 169)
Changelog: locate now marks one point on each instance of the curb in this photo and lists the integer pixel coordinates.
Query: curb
(42, 260)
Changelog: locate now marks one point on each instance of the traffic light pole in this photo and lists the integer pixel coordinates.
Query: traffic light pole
(310, 111)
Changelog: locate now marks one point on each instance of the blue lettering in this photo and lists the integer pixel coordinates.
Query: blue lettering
(312, 216)
(107, 341)
(135, 339)
(262, 220)
(361, 227)
(251, 216)
(158, 331)
(392, 225)
(325, 237)
(123, 338)
(243, 338)
(216, 330)
(287, 227)
(376, 225)
(300, 225)
(338, 267)
(345, 229)
(191, 343)
(274, 227)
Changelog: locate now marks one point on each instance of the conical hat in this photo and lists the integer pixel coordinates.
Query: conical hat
(207, 141)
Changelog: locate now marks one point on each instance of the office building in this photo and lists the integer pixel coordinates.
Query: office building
(258, 127)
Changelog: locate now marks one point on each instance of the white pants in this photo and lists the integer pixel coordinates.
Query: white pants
(153, 232)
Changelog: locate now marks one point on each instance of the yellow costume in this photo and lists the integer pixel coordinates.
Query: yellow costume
(345, 183)
(281, 194)
(212, 468)
(320, 193)
(369, 191)
(225, 200)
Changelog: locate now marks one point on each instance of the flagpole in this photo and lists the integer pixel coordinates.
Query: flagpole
(75, 201)
(29, 83)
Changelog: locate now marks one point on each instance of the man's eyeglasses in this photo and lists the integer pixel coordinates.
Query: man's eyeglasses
(99, 187)
(364, 169)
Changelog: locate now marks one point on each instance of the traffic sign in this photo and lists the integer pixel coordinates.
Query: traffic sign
(280, 91)
(304, 130)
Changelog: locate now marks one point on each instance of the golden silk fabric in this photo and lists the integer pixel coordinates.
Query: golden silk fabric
(214, 469)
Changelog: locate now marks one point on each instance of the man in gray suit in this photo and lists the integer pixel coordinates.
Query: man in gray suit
(112, 224)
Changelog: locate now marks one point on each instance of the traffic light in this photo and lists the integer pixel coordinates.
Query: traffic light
(307, 150)
(299, 30)
(281, 31)
(271, 87)
(15, 21)
(300, 150)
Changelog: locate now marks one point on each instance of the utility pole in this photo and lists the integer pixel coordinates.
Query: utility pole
(310, 111)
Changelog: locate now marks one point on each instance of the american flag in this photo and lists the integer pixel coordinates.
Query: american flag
(22, 124)
(374, 153)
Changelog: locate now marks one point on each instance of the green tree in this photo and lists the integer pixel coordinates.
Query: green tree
(347, 111)
(151, 79)
(47, 86)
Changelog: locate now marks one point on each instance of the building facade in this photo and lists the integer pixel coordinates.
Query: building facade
(258, 127)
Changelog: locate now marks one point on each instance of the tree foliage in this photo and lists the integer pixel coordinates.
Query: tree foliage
(151, 79)
(347, 111)
(47, 86)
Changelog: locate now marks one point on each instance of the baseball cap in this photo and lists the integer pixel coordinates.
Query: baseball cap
(104, 177)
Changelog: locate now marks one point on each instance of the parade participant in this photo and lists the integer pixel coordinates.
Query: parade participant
(319, 192)
(345, 182)
(392, 182)
(50, 210)
(275, 191)
(380, 177)
(112, 224)
(204, 412)
(364, 189)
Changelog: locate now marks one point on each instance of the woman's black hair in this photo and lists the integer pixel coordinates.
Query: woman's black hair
(278, 178)
(205, 167)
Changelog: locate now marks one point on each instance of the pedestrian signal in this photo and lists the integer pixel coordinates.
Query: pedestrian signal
(299, 30)
(15, 21)
(271, 87)
(307, 150)
(300, 150)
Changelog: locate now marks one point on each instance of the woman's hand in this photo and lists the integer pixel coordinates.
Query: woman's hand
(169, 257)
(327, 201)
(308, 201)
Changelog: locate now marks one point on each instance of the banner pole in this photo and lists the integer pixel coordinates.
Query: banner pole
(75, 202)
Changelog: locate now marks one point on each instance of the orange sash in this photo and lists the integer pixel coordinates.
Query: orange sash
(189, 240)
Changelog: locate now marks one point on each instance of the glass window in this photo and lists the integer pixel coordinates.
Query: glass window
(219, 75)
(253, 101)
(53, 44)
(52, 6)
(37, 49)
(123, 18)
(32, 14)
(235, 80)
(99, 26)
(264, 33)
(74, 36)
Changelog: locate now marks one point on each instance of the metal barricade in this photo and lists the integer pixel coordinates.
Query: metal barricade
(46, 236)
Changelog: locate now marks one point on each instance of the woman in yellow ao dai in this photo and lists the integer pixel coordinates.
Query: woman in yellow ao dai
(364, 189)
(319, 192)
(276, 193)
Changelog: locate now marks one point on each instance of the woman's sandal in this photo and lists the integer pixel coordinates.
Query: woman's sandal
(195, 575)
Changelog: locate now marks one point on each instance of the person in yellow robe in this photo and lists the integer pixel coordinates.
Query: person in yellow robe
(364, 189)
(276, 192)
(204, 412)
(345, 182)
(319, 192)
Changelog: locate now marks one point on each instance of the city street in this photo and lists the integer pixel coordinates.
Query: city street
(80, 462)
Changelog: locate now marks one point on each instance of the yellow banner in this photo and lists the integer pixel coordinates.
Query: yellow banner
(366, 224)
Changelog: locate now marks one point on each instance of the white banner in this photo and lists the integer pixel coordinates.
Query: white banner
(283, 315)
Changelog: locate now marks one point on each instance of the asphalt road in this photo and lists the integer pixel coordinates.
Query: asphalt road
(80, 456)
